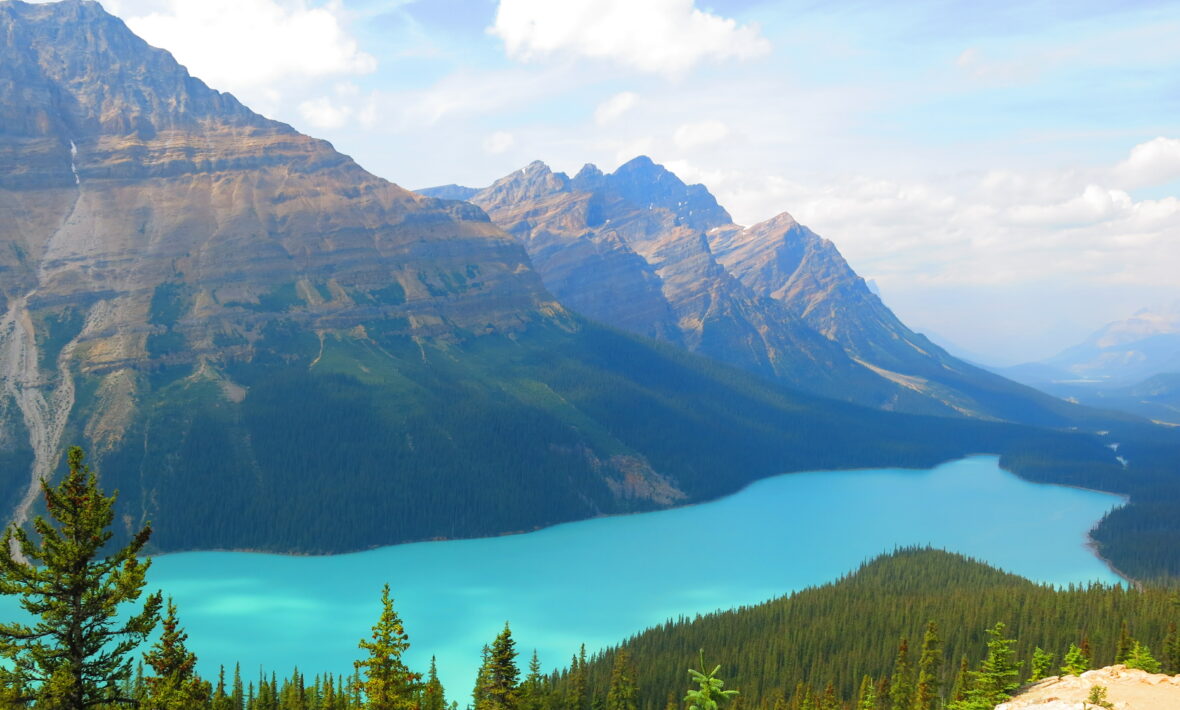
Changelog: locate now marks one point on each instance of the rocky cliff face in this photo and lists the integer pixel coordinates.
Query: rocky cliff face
(632, 249)
(150, 223)
(1120, 687)
(642, 251)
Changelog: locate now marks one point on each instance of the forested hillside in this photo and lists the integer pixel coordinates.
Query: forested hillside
(782, 651)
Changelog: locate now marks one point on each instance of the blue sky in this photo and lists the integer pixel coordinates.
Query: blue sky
(1007, 172)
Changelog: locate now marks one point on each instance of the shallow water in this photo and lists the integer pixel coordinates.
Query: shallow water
(598, 581)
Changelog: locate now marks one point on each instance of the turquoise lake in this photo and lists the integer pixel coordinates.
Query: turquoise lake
(598, 581)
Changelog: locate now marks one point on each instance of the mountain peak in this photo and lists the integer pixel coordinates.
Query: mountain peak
(648, 184)
(533, 181)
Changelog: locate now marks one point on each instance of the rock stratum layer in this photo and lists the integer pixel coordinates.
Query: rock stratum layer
(641, 250)
(263, 346)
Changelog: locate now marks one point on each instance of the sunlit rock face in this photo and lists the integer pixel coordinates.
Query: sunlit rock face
(641, 250)
(631, 248)
(151, 223)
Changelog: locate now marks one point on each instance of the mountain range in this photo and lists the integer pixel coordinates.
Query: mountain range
(644, 252)
(263, 346)
(1132, 365)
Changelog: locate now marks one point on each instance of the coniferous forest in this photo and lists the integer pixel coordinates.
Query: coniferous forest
(918, 629)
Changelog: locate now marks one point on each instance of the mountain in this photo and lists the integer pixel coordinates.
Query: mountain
(1122, 352)
(642, 251)
(629, 249)
(1156, 398)
(778, 652)
(263, 346)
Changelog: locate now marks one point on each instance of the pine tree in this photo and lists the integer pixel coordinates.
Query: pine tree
(433, 697)
(998, 675)
(928, 694)
(532, 690)
(1076, 661)
(1125, 642)
(387, 683)
(221, 700)
(1042, 663)
(901, 691)
(500, 690)
(1172, 650)
(709, 693)
(237, 698)
(828, 700)
(482, 678)
(1140, 657)
(577, 699)
(866, 698)
(75, 656)
(962, 681)
(174, 683)
(623, 693)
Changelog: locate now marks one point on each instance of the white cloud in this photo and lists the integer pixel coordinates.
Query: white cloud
(613, 108)
(657, 36)
(992, 229)
(498, 142)
(248, 45)
(693, 135)
(1152, 163)
(323, 113)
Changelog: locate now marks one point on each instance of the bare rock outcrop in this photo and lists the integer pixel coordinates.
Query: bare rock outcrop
(1125, 689)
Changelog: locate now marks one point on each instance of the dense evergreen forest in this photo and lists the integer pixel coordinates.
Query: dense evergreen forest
(919, 629)
(780, 652)
(409, 441)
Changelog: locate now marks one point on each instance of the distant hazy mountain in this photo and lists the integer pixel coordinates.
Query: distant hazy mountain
(263, 346)
(1122, 352)
(641, 250)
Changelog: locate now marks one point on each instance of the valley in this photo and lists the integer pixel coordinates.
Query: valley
(599, 581)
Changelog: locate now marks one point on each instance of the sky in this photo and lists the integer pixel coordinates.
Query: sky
(1007, 173)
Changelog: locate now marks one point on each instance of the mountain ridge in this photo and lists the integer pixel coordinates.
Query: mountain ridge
(620, 246)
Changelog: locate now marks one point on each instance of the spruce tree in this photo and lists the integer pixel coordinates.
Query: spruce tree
(1042, 664)
(237, 697)
(482, 678)
(623, 693)
(577, 699)
(220, 699)
(174, 684)
(76, 655)
(928, 693)
(532, 690)
(1140, 657)
(998, 675)
(433, 697)
(962, 681)
(901, 685)
(383, 678)
(1172, 650)
(709, 693)
(866, 697)
(500, 681)
(1076, 661)
(1125, 642)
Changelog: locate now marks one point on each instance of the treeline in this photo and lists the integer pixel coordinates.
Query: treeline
(386, 440)
(792, 653)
